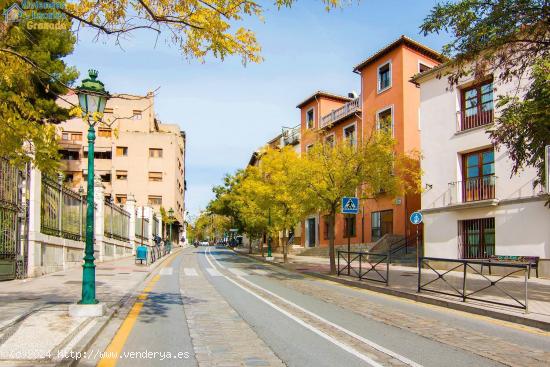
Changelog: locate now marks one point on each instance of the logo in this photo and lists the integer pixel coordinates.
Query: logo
(13, 14)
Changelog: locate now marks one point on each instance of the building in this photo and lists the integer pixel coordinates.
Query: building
(387, 100)
(135, 155)
(473, 207)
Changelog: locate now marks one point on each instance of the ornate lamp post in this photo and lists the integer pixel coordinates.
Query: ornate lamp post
(92, 98)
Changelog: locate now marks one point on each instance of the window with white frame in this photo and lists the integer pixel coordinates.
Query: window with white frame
(310, 119)
(350, 134)
(384, 76)
(384, 119)
(330, 140)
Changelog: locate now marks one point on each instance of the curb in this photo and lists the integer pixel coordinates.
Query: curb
(417, 297)
(120, 308)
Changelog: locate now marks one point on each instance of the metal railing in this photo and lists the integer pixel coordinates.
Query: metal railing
(473, 189)
(63, 211)
(365, 265)
(156, 225)
(291, 135)
(465, 122)
(116, 222)
(449, 281)
(339, 113)
(142, 229)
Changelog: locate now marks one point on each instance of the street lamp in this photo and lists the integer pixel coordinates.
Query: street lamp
(92, 98)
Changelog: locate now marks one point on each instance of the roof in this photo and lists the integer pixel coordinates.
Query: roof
(403, 40)
(321, 93)
(428, 74)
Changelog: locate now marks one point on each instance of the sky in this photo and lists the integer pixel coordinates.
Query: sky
(228, 110)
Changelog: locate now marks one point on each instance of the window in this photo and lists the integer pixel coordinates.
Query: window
(310, 119)
(71, 136)
(349, 226)
(120, 198)
(69, 155)
(107, 110)
(423, 67)
(155, 200)
(349, 134)
(155, 153)
(384, 120)
(476, 238)
(136, 115)
(384, 77)
(478, 172)
(308, 147)
(330, 140)
(155, 176)
(104, 133)
(381, 224)
(122, 175)
(106, 177)
(69, 178)
(100, 155)
(122, 151)
(477, 105)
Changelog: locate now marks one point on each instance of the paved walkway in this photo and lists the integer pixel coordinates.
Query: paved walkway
(405, 279)
(34, 320)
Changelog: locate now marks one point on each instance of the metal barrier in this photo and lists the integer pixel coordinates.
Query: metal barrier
(367, 265)
(116, 222)
(463, 266)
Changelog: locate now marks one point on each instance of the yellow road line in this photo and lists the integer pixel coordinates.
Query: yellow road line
(114, 349)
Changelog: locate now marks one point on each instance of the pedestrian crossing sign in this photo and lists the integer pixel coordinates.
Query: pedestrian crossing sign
(350, 205)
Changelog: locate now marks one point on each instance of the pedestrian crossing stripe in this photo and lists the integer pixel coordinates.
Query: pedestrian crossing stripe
(261, 271)
(190, 272)
(166, 271)
(213, 272)
(238, 272)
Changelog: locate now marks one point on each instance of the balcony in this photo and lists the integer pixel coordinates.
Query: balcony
(340, 113)
(481, 118)
(476, 189)
(291, 136)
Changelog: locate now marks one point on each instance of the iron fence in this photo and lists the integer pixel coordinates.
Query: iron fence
(156, 226)
(455, 285)
(63, 211)
(365, 265)
(116, 222)
(142, 229)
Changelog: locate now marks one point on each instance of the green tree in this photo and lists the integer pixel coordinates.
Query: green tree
(509, 39)
(371, 168)
(33, 76)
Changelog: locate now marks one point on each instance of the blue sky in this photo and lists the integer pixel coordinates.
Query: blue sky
(228, 110)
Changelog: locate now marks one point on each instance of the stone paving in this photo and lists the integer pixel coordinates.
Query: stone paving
(490, 347)
(220, 336)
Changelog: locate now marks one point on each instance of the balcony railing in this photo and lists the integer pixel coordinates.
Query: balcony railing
(291, 136)
(465, 122)
(340, 113)
(473, 189)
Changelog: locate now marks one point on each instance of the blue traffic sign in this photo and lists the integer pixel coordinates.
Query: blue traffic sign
(416, 218)
(350, 205)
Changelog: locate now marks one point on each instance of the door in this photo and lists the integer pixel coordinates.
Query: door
(479, 176)
(381, 224)
(311, 232)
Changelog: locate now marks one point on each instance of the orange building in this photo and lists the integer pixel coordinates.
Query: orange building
(386, 96)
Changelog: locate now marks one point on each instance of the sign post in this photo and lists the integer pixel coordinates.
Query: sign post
(416, 219)
(350, 206)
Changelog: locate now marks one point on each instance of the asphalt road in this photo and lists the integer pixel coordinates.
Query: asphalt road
(302, 321)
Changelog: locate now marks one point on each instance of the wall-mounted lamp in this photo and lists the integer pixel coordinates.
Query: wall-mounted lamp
(428, 187)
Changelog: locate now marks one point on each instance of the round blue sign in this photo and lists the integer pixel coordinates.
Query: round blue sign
(416, 218)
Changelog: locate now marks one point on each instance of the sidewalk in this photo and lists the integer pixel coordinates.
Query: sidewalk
(404, 282)
(34, 320)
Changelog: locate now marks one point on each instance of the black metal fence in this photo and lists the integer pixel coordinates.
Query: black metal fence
(454, 281)
(116, 222)
(365, 265)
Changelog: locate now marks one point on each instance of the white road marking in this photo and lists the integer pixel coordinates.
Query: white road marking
(343, 346)
(166, 271)
(261, 272)
(190, 272)
(214, 272)
(237, 272)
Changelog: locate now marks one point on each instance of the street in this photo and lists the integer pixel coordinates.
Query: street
(211, 307)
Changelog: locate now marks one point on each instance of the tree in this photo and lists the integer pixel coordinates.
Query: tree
(371, 167)
(509, 39)
(33, 76)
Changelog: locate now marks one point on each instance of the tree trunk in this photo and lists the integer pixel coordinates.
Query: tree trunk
(249, 245)
(331, 225)
(262, 245)
(285, 247)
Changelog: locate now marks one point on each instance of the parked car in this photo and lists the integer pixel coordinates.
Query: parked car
(203, 243)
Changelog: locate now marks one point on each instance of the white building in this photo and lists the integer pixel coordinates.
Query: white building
(472, 206)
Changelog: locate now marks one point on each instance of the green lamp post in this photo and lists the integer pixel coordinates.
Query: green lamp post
(92, 98)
